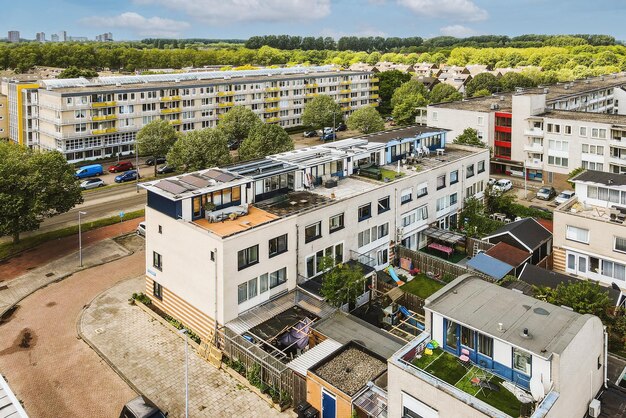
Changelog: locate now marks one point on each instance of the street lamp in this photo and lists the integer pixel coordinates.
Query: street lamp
(184, 331)
(80, 238)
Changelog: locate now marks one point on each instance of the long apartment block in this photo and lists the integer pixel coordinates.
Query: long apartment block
(89, 119)
(547, 132)
(222, 241)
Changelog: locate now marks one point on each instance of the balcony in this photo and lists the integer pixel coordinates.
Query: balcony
(225, 104)
(374, 96)
(102, 104)
(271, 99)
(272, 120)
(374, 104)
(103, 117)
(174, 122)
(271, 109)
(311, 86)
(103, 131)
(618, 159)
(345, 100)
(345, 82)
(346, 109)
(171, 110)
(345, 91)
(374, 79)
(311, 95)
(374, 88)
(533, 148)
(225, 93)
(537, 133)
(170, 98)
(272, 89)
(534, 163)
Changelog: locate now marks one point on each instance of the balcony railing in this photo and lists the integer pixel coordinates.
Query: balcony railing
(272, 120)
(174, 122)
(374, 96)
(103, 131)
(103, 117)
(102, 104)
(311, 95)
(225, 93)
(345, 100)
(271, 109)
(171, 110)
(225, 104)
(345, 91)
(533, 148)
(345, 83)
(271, 89)
(538, 133)
(534, 163)
(272, 99)
(346, 108)
(374, 104)
(311, 86)
(374, 88)
(374, 79)
(170, 98)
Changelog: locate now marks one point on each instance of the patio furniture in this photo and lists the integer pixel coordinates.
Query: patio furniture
(414, 271)
(441, 151)
(464, 360)
(223, 214)
(428, 352)
(465, 352)
(443, 248)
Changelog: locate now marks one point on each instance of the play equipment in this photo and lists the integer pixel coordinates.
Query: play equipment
(410, 317)
(394, 276)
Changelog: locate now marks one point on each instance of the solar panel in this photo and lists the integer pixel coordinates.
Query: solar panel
(171, 187)
(213, 174)
(225, 177)
(196, 180)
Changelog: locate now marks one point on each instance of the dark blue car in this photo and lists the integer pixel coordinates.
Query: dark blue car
(127, 176)
(329, 137)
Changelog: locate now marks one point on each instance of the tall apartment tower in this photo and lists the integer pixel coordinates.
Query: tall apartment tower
(41, 37)
(63, 36)
(14, 36)
(54, 38)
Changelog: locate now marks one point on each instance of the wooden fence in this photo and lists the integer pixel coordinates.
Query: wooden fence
(473, 245)
(438, 266)
(409, 300)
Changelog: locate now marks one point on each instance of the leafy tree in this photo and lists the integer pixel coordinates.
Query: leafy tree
(510, 81)
(411, 88)
(584, 297)
(443, 92)
(404, 112)
(483, 81)
(33, 186)
(75, 72)
(389, 82)
(343, 283)
(499, 202)
(238, 123)
(320, 112)
(481, 93)
(470, 137)
(265, 140)
(573, 174)
(156, 139)
(197, 150)
(474, 221)
(366, 120)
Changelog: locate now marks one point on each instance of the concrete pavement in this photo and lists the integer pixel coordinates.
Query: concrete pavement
(152, 357)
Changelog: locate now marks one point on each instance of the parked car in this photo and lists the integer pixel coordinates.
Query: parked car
(121, 166)
(141, 229)
(141, 407)
(310, 134)
(89, 171)
(159, 160)
(341, 127)
(91, 183)
(127, 176)
(329, 136)
(164, 169)
(327, 130)
(546, 193)
(564, 196)
(491, 182)
(503, 185)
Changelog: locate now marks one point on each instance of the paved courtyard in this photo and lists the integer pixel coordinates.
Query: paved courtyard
(153, 358)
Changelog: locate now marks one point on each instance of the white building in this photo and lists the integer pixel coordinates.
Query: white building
(296, 208)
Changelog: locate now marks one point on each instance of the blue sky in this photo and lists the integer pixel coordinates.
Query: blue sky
(136, 19)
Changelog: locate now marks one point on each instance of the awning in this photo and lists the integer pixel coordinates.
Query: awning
(316, 354)
(443, 235)
(373, 402)
(490, 266)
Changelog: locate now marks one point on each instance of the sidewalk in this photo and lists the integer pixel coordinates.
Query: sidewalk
(13, 291)
(152, 359)
(52, 250)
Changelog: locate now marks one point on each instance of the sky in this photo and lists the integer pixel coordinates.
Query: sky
(240, 19)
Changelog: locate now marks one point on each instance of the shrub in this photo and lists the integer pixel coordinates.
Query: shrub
(141, 297)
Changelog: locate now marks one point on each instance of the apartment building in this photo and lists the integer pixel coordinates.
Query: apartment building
(223, 241)
(589, 229)
(545, 132)
(4, 118)
(13, 36)
(488, 351)
(88, 119)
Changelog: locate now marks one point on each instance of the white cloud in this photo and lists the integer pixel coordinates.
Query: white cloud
(144, 26)
(461, 10)
(226, 12)
(458, 31)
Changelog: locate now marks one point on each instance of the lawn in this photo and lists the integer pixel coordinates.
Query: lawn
(454, 258)
(390, 174)
(422, 286)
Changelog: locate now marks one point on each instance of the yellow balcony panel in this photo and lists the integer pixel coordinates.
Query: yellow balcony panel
(225, 93)
(374, 88)
(225, 104)
(272, 120)
(345, 100)
(346, 108)
(311, 86)
(270, 89)
(374, 79)
(272, 99)
(345, 91)
(98, 131)
(110, 130)
(374, 104)
(103, 104)
(175, 122)
(170, 98)
(311, 94)
(345, 83)
(271, 109)
(103, 117)
(374, 96)
(171, 110)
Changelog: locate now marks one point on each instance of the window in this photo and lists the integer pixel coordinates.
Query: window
(577, 234)
(252, 288)
(598, 133)
(454, 177)
(278, 277)
(481, 166)
(383, 230)
(263, 278)
(568, 130)
(406, 195)
(364, 238)
(422, 190)
(441, 182)
(467, 337)
(242, 293)
(365, 212)
(157, 260)
(469, 171)
(157, 290)
(248, 257)
(481, 120)
(335, 223)
(453, 199)
(582, 131)
(485, 345)
(558, 161)
(522, 361)
(383, 205)
(278, 245)
(312, 232)
(620, 244)
(160, 229)
(451, 337)
(435, 116)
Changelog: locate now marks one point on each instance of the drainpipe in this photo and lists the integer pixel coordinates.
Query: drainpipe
(297, 252)
(606, 357)
(215, 303)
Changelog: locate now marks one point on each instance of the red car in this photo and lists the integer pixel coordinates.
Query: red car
(121, 166)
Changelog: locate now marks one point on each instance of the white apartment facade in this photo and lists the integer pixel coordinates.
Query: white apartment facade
(89, 119)
(293, 218)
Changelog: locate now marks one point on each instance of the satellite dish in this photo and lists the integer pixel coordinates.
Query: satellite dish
(536, 388)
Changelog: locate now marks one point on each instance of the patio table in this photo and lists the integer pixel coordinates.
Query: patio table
(442, 248)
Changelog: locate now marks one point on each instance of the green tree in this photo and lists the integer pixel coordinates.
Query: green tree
(33, 186)
(474, 221)
(265, 140)
(481, 93)
(443, 92)
(238, 123)
(483, 81)
(366, 120)
(411, 88)
(389, 82)
(573, 174)
(583, 296)
(404, 112)
(75, 72)
(197, 150)
(156, 139)
(342, 283)
(510, 81)
(320, 112)
(470, 137)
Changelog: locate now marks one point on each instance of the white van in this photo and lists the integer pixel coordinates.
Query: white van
(503, 185)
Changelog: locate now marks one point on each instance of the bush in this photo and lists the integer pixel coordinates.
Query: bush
(141, 297)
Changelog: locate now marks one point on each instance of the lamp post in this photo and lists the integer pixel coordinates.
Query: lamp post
(80, 238)
(137, 166)
(184, 331)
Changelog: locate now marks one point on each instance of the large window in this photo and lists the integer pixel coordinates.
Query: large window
(454, 176)
(441, 182)
(467, 337)
(314, 262)
(383, 205)
(485, 345)
(422, 190)
(313, 232)
(278, 277)
(451, 338)
(335, 223)
(620, 244)
(577, 234)
(481, 166)
(157, 260)
(365, 212)
(248, 257)
(278, 245)
(522, 361)
(406, 195)
(364, 238)
(469, 171)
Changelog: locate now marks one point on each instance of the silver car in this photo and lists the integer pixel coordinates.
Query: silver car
(564, 196)
(141, 229)
(91, 183)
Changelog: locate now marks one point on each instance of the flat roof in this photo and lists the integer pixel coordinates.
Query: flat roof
(609, 118)
(400, 133)
(293, 202)
(601, 177)
(344, 328)
(481, 104)
(255, 217)
(482, 306)
(312, 356)
(508, 254)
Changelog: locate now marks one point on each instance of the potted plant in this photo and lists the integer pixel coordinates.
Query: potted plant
(209, 206)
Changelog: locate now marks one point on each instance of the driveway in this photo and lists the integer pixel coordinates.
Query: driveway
(49, 368)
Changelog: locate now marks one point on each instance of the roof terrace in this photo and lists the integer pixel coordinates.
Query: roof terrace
(253, 218)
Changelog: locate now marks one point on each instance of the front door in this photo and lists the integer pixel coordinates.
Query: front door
(329, 405)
